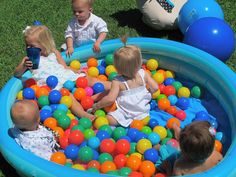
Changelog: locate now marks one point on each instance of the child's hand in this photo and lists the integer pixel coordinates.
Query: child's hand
(27, 64)
(96, 47)
(69, 51)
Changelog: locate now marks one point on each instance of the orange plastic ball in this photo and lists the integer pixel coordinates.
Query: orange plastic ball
(133, 162)
(46, 87)
(64, 92)
(42, 92)
(163, 72)
(50, 122)
(138, 124)
(59, 131)
(171, 121)
(79, 93)
(147, 168)
(94, 164)
(35, 88)
(218, 146)
(172, 110)
(163, 104)
(58, 157)
(92, 62)
(110, 108)
(102, 77)
(107, 166)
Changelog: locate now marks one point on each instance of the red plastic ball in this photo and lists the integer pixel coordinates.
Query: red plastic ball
(122, 146)
(163, 104)
(73, 123)
(30, 82)
(64, 92)
(160, 175)
(169, 90)
(120, 160)
(181, 115)
(87, 102)
(76, 137)
(108, 146)
(172, 110)
(161, 87)
(82, 82)
(135, 174)
(63, 141)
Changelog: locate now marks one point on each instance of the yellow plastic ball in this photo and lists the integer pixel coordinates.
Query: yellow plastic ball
(152, 64)
(93, 72)
(170, 74)
(71, 116)
(78, 167)
(143, 145)
(20, 95)
(161, 131)
(75, 64)
(137, 154)
(155, 94)
(158, 77)
(183, 92)
(146, 120)
(100, 121)
(109, 69)
(66, 100)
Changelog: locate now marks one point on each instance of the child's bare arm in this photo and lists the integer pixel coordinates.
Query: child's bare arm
(101, 38)
(69, 45)
(22, 67)
(153, 86)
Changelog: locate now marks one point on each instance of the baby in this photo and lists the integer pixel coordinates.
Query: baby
(28, 133)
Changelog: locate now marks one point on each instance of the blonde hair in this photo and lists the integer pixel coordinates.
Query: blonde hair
(43, 36)
(89, 2)
(128, 60)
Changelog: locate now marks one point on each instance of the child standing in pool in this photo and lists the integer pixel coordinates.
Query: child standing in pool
(85, 27)
(128, 89)
(28, 133)
(51, 63)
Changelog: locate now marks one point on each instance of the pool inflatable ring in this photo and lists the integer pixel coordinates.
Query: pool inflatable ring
(193, 63)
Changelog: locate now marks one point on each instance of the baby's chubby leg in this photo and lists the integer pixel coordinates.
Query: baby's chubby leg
(112, 121)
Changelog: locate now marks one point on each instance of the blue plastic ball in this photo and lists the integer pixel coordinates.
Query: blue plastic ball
(47, 107)
(152, 123)
(101, 69)
(103, 63)
(71, 152)
(54, 107)
(151, 155)
(28, 93)
(69, 85)
(169, 81)
(98, 88)
(208, 34)
(52, 81)
(54, 96)
(183, 103)
(94, 142)
(173, 99)
(154, 138)
(102, 134)
(95, 154)
(126, 138)
(62, 107)
(193, 10)
(44, 114)
(201, 116)
(140, 136)
(213, 123)
(153, 105)
(132, 133)
(219, 136)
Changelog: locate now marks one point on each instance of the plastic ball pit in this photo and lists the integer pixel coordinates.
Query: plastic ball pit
(192, 63)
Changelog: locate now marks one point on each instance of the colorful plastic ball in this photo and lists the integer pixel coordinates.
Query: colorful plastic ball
(69, 85)
(100, 121)
(138, 124)
(172, 110)
(88, 91)
(125, 171)
(85, 154)
(92, 62)
(88, 133)
(43, 101)
(140, 136)
(177, 85)
(47, 107)
(95, 154)
(93, 170)
(108, 146)
(132, 148)
(154, 138)
(160, 175)
(161, 131)
(183, 103)
(112, 75)
(79, 93)
(81, 82)
(94, 164)
(78, 167)
(64, 122)
(102, 134)
(98, 88)
(59, 131)
(201, 116)
(109, 69)
(135, 174)
(78, 127)
(146, 120)
(86, 102)
(66, 100)
(118, 132)
(59, 158)
(151, 155)
(59, 113)
(218, 146)
(44, 114)
(30, 82)
(109, 59)
(143, 145)
(52, 81)
(85, 122)
(163, 104)
(113, 173)
(183, 92)
(132, 133)
(147, 168)
(76, 137)
(103, 157)
(107, 166)
(147, 130)
(101, 69)
(160, 96)
(155, 94)
(158, 77)
(196, 92)
(171, 121)
(152, 64)
(213, 123)
(20, 95)
(133, 162)
(50, 122)
(54, 96)
(94, 142)
(93, 72)
(219, 136)
(169, 90)
(120, 160)
(62, 107)
(100, 113)
(63, 141)
(170, 74)
(153, 122)
(110, 108)
(102, 77)
(28, 93)
(173, 142)
(75, 64)
(181, 115)
(64, 92)
(106, 128)
(71, 152)
(73, 122)
(197, 9)
(122, 146)
(173, 99)
(169, 81)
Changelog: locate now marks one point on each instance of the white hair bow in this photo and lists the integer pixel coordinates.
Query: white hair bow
(212, 131)
(26, 28)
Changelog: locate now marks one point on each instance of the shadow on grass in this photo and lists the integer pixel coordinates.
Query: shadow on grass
(133, 19)
(6, 170)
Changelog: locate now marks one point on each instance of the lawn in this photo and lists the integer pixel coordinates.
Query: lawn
(122, 17)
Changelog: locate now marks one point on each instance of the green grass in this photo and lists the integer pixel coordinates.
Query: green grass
(122, 17)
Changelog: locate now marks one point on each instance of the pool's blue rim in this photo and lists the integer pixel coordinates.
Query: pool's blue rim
(27, 164)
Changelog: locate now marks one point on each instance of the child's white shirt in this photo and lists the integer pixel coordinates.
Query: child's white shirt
(87, 33)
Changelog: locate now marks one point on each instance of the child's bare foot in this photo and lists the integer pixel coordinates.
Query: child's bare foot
(90, 116)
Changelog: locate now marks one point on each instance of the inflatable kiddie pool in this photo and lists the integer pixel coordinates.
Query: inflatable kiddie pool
(192, 63)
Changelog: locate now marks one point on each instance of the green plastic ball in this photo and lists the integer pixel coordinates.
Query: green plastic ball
(85, 122)
(146, 129)
(106, 128)
(161, 96)
(103, 157)
(196, 92)
(64, 122)
(170, 133)
(153, 72)
(43, 101)
(88, 133)
(112, 76)
(132, 148)
(93, 169)
(113, 172)
(100, 113)
(164, 141)
(68, 164)
(109, 59)
(78, 127)
(85, 154)
(177, 85)
(118, 132)
(125, 171)
(59, 113)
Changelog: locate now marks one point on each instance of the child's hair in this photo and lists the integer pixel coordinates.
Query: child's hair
(43, 35)
(89, 2)
(25, 114)
(196, 141)
(128, 60)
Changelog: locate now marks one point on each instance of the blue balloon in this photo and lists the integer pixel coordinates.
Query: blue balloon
(72, 152)
(52, 81)
(98, 88)
(193, 10)
(151, 155)
(211, 35)
(28, 93)
(54, 96)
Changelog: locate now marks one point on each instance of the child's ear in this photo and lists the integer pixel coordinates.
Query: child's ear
(91, 9)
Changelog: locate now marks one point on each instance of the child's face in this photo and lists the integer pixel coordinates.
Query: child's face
(81, 10)
(31, 41)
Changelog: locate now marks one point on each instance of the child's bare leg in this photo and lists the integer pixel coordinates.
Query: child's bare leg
(78, 110)
(112, 120)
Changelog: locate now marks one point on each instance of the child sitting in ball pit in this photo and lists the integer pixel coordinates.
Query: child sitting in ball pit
(28, 133)
(128, 89)
(51, 63)
(85, 27)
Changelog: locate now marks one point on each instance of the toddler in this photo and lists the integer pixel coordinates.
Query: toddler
(197, 149)
(27, 131)
(51, 63)
(128, 89)
(85, 27)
